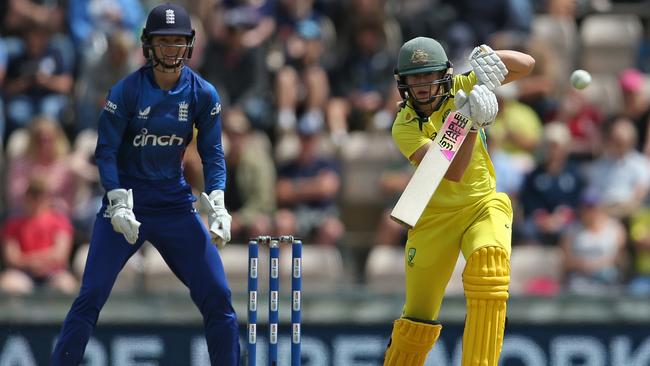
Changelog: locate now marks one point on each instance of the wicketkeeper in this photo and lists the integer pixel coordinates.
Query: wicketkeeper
(144, 129)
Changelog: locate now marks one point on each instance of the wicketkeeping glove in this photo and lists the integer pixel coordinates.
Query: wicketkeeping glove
(120, 210)
(218, 217)
(481, 106)
(488, 67)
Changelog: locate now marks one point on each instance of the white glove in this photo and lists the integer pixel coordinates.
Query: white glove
(488, 67)
(120, 210)
(218, 217)
(481, 108)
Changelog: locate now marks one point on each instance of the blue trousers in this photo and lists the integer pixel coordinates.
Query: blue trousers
(184, 243)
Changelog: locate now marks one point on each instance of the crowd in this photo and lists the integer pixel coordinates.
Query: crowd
(302, 83)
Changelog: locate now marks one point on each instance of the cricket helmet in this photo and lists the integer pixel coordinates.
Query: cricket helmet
(168, 20)
(423, 55)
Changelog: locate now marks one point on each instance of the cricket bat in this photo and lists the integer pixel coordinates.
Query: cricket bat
(432, 169)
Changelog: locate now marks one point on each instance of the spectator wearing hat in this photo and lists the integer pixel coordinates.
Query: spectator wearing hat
(307, 188)
(302, 85)
(38, 80)
(636, 105)
(364, 81)
(550, 192)
(240, 75)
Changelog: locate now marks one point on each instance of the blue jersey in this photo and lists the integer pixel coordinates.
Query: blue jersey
(144, 130)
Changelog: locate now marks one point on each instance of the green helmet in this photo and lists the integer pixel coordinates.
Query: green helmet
(421, 55)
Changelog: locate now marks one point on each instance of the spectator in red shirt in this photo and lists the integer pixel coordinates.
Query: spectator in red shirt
(36, 246)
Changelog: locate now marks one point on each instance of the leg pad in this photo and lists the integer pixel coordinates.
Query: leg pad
(411, 341)
(486, 278)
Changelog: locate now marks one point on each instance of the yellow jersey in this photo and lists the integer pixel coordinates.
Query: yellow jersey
(479, 179)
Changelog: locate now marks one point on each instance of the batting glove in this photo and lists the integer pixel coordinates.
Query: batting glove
(120, 210)
(218, 217)
(488, 67)
(481, 106)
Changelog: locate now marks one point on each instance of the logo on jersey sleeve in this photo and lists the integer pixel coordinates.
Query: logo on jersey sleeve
(110, 107)
(149, 139)
(144, 113)
(183, 108)
(216, 109)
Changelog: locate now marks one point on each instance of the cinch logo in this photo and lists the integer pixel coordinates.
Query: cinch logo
(146, 139)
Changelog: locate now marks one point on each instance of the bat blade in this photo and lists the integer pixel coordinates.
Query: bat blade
(431, 170)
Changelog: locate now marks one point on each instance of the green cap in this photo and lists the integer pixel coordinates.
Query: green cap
(421, 55)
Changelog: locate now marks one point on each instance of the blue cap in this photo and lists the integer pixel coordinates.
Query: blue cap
(168, 19)
(311, 123)
(308, 29)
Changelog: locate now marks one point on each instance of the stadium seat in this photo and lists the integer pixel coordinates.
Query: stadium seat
(322, 268)
(610, 42)
(235, 261)
(384, 269)
(364, 158)
(535, 270)
(129, 279)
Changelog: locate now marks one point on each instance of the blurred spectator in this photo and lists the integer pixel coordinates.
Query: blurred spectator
(46, 155)
(413, 24)
(391, 184)
(636, 106)
(519, 130)
(38, 80)
(250, 195)
(541, 89)
(89, 192)
(97, 77)
(3, 73)
(306, 191)
(476, 21)
(640, 238)
(622, 174)
(90, 21)
(509, 173)
(368, 9)
(585, 123)
(262, 12)
(593, 249)
(22, 14)
(289, 15)
(302, 84)
(364, 81)
(36, 246)
(550, 193)
(240, 75)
